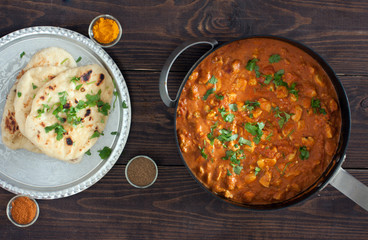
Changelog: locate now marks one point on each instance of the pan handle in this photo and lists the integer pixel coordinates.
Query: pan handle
(351, 187)
(164, 93)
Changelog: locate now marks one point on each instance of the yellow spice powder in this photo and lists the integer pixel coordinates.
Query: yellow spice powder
(105, 30)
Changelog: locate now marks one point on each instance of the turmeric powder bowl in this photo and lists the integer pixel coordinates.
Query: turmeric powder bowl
(22, 211)
(105, 30)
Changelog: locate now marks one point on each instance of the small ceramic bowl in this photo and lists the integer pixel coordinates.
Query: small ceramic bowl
(127, 176)
(9, 208)
(90, 31)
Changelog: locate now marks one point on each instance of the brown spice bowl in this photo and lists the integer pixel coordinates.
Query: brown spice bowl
(9, 208)
(135, 178)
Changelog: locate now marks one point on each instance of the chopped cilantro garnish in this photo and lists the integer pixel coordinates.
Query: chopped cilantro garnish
(255, 130)
(213, 80)
(274, 58)
(284, 116)
(66, 59)
(75, 79)
(59, 130)
(292, 90)
(220, 97)
(88, 152)
(114, 133)
(268, 79)
(256, 171)
(316, 105)
(237, 169)
(278, 78)
(204, 155)
(22, 54)
(243, 141)
(226, 136)
(228, 117)
(79, 59)
(78, 86)
(210, 135)
(42, 110)
(209, 92)
(96, 134)
(250, 106)
(124, 105)
(105, 152)
(228, 173)
(304, 153)
(19, 94)
(251, 65)
(34, 86)
(233, 107)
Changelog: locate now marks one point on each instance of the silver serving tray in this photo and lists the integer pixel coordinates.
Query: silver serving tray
(37, 175)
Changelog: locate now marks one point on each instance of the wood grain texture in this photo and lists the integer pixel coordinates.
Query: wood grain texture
(175, 207)
(337, 30)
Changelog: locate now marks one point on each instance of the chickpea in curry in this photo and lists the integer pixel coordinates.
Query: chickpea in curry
(258, 121)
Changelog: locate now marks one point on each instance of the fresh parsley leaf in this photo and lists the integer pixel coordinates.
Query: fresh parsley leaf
(274, 58)
(105, 153)
(34, 86)
(304, 153)
(209, 92)
(22, 54)
(213, 80)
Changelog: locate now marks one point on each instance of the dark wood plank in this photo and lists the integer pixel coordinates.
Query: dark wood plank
(152, 130)
(152, 29)
(175, 207)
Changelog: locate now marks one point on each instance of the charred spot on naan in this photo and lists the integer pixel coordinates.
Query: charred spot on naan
(88, 112)
(10, 123)
(86, 76)
(69, 141)
(100, 80)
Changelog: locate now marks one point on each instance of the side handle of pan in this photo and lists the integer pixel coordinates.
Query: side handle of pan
(164, 93)
(351, 187)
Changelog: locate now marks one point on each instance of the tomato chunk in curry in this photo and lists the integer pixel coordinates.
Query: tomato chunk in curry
(258, 121)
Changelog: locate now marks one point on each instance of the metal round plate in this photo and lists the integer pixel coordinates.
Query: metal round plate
(37, 175)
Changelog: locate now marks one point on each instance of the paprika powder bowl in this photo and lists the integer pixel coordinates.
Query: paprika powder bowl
(94, 38)
(9, 212)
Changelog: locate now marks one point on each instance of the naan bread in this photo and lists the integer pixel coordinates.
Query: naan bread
(52, 56)
(28, 85)
(96, 86)
(11, 136)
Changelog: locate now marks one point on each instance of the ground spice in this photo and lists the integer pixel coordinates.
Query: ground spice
(23, 210)
(105, 30)
(141, 171)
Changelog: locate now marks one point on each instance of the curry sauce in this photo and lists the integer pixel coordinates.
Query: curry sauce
(258, 121)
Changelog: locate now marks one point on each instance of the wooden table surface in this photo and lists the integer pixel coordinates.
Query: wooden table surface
(176, 207)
